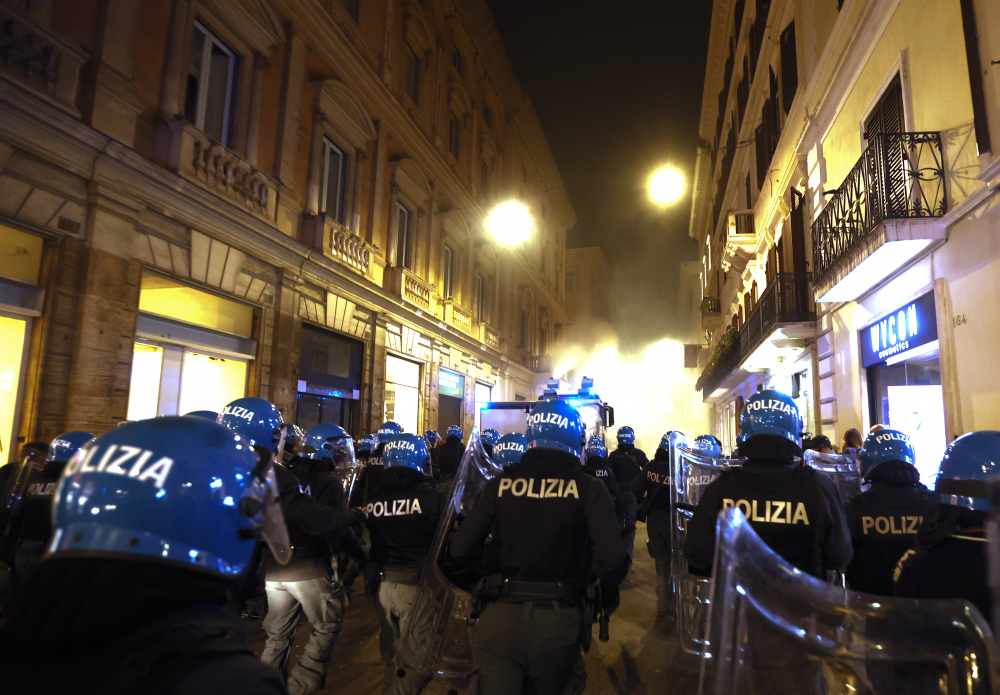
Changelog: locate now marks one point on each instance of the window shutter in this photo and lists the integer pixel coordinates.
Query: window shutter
(789, 67)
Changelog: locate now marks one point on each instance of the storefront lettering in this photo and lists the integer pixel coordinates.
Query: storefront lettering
(906, 328)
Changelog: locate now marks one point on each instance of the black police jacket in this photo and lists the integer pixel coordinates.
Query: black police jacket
(597, 466)
(654, 476)
(627, 461)
(550, 518)
(794, 509)
(304, 512)
(451, 456)
(402, 518)
(950, 559)
(884, 523)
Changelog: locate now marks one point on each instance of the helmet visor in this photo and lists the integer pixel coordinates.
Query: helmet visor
(268, 520)
(342, 450)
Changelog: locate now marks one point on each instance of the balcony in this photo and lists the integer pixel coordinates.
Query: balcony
(197, 158)
(540, 363)
(711, 313)
(882, 216)
(340, 244)
(739, 241)
(488, 336)
(406, 285)
(723, 362)
(455, 315)
(778, 325)
(38, 59)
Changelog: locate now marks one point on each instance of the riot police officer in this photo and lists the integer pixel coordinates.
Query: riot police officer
(489, 439)
(509, 450)
(309, 584)
(434, 448)
(402, 518)
(626, 461)
(884, 520)
(30, 524)
(597, 466)
(371, 477)
(547, 514)
(452, 452)
(950, 556)
(794, 509)
(128, 600)
(652, 490)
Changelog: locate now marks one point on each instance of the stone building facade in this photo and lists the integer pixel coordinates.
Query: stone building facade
(204, 199)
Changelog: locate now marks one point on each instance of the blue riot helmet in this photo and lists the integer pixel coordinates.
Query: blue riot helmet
(294, 436)
(63, 447)
(366, 444)
(407, 450)
(595, 447)
(490, 436)
(967, 463)
(885, 445)
(256, 420)
(204, 414)
(456, 431)
(432, 437)
(709, 443)
(556, 425)
(180, 490)
(772, 414)
(330, 443)
(626, 435)
(389, 430)
(665, 440)
(509, 449)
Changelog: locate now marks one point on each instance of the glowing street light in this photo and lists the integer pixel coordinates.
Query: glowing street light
(666, 185)
(510, 223)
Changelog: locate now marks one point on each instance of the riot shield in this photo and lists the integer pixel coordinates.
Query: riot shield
(436, 638)
(774, 629)
(17, 485)
(691, 470)
(843, 468)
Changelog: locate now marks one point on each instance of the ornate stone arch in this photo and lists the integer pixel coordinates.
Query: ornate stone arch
(344, 112)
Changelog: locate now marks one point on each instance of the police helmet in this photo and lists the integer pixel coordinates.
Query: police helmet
(257, 420)
(388, 430)
(709, 443)
(490, 436)
(66, 445)
(432, 437)
(556, 425)
(626, 435)
(366, 444)
(408, 451)
(968, 462)
(885, 445)
(665, 440)
(330, 443)
(595, 447)
(294, 435)
(178, 490)
(771, 413)
(205, 414)
(456, 431)
(509, 449)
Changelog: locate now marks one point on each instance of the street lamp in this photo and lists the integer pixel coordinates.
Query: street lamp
(666, 185)
(510, 223)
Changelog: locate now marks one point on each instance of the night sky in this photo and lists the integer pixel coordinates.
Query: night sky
(617, 86)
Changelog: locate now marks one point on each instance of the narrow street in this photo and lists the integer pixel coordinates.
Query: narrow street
(640, 659)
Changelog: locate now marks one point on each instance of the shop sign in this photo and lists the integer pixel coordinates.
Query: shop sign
(906, 328)
(451, 384)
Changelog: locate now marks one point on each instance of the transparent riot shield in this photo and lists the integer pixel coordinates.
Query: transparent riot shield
(843, 468)
(437, 638)
(692, 468)
(774, 629)
(17, 485)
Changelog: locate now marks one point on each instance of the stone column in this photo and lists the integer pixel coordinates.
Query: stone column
(390, 232)
(108, 98)
(287, 342)
(170, 81)
(289, 117)
(376, 191)
(260, 65)
(315, 164)
(354, 221)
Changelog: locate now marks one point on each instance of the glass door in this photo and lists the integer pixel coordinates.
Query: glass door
(13, 350)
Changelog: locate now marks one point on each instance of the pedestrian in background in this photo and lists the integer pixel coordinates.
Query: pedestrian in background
(852, 442)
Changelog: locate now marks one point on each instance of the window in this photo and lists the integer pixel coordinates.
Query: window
(352, 8)
(454, 135)
(449, 272)
(522, 338)
(334, 180)
(412, 76)
(208, 102)
(402, 393)
(484, 177)
(480, 297)
(404, 223)
(569, 282)
(789, 67)
(456, 59)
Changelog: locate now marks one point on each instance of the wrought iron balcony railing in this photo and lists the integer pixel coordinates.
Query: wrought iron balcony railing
(899, 176)
(786, 299)
(717, 372)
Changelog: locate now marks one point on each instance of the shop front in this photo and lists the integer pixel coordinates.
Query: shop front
(192, 350)
(451, 399)
(901, 356)
(402, 393)
(329, 379)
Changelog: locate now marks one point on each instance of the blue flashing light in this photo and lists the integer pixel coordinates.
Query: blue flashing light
(228, 501)
(161, 494)
(193, 554)
(574, 402)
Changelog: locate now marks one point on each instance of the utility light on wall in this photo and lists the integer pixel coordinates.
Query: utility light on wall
(510, 223)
